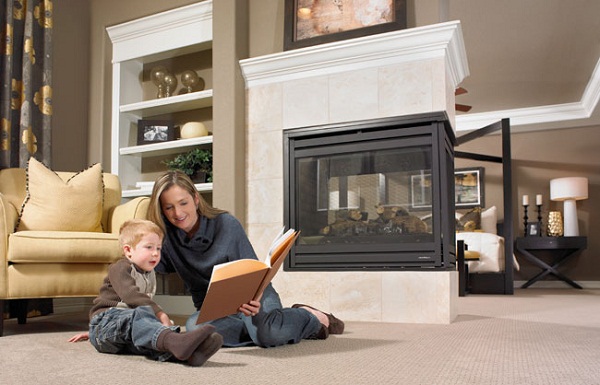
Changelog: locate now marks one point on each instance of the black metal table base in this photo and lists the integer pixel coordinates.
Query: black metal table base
(561, 248)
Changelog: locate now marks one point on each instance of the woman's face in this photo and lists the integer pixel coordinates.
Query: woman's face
(179, 207)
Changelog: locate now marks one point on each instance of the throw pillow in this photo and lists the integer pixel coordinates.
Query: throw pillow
(53, 204)
(470, 221)
(489, 219)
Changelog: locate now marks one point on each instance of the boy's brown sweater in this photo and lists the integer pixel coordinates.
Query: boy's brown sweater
(126, 286)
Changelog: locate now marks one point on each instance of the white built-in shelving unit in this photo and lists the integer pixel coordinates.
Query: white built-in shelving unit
(179, 34)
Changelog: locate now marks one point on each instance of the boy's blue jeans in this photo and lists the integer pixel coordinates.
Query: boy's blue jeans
(272, 326)
(133, 331)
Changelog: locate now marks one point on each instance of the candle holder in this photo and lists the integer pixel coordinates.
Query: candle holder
(525, 219)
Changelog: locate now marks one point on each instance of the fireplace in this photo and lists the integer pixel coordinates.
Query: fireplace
(304, 96)
(374, 194)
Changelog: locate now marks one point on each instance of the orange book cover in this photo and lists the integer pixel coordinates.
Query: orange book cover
(235, 283)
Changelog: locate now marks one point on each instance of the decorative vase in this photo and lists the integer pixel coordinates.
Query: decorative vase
(555, 224)
(198, 177)
(193, 130)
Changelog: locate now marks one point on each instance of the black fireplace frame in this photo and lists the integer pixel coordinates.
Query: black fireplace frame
(440, 254)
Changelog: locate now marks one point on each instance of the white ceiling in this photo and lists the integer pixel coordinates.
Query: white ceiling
(534, 61)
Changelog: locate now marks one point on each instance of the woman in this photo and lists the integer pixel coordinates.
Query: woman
(198, 237)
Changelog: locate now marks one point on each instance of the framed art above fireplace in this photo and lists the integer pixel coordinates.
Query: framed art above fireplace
(312, 22)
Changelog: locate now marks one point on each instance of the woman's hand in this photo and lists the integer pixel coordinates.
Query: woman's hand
(250, 309)
(80, 337)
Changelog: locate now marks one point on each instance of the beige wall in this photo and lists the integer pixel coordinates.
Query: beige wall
(539, 156)
(70, 76)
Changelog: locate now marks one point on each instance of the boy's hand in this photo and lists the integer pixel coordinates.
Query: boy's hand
(80, 337)
(164, 318)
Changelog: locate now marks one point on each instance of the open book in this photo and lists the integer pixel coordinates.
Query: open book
(235, 283)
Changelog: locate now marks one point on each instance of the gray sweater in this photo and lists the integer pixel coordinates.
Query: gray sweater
(218, 240)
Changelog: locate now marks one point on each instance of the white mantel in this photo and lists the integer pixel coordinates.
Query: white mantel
(397, 73)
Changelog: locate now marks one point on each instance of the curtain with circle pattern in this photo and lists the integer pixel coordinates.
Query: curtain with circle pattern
(26, 81)
(25, 100)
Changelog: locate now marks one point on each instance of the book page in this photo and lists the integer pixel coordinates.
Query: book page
(281, 238)
(276, 259)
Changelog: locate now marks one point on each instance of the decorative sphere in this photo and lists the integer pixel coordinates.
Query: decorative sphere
(157, 75)
(189, 79)
(193, 130)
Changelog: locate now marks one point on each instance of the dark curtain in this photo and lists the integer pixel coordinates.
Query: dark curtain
(26, 78)
(26, 94)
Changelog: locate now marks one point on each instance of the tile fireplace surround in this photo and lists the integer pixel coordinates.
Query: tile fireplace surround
(398, 73)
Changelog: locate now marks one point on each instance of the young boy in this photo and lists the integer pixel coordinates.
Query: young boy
(125, 319)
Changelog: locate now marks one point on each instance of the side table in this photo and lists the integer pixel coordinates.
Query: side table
(561, 249)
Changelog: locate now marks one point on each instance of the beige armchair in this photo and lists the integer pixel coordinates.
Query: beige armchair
(57, 264)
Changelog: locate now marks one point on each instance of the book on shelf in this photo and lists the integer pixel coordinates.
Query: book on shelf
(235, 283)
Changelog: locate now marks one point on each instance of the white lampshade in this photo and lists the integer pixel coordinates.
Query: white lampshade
(569, 190)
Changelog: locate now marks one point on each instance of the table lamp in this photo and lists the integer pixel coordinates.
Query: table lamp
(569, 190)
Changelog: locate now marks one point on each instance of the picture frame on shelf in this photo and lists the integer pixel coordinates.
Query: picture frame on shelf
(468, 189)
(533, 229)
(313, 22)
(155, 131)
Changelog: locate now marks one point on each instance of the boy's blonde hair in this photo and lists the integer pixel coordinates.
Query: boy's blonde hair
(133, 230)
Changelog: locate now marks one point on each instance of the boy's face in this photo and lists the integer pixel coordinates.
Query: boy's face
(146, 254)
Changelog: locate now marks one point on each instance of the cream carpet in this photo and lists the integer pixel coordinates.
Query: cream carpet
(537, 336)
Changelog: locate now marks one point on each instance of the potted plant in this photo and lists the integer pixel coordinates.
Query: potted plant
(197, 164)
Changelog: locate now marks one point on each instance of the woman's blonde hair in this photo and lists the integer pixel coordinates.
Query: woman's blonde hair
(133, 230)
(177, 178)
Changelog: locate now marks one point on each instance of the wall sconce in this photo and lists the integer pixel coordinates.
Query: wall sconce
(569, 190)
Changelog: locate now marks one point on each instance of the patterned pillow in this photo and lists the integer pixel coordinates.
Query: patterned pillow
(478, 219)
(53, 204)
(470, 221)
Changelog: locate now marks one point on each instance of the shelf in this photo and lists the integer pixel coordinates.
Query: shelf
(182, 37)
(133, 193)
(172, 104)
(166, 148)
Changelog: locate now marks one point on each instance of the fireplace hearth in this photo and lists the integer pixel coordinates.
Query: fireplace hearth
(376, 194)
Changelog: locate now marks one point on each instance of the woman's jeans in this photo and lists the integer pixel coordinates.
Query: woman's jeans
(272, 326)
(134, 331)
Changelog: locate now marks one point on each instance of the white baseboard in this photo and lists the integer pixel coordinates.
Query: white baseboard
(559, 285)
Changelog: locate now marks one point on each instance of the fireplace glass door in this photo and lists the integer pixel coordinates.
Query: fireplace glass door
(375, 196)
(366, 200)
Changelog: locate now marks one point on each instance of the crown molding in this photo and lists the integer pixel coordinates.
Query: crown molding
(542, 117)
(169, 30)
(443, 40)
